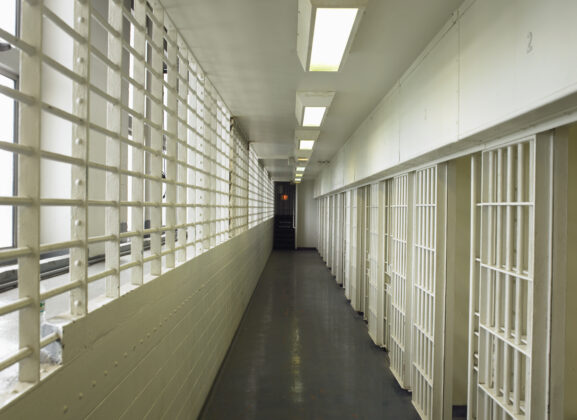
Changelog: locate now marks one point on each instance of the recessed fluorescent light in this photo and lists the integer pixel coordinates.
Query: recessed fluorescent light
(313, 116)
(300, 168)
(302, 159)
(332, 29)
(306, 144)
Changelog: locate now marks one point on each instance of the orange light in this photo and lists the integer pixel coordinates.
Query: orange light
(284, 197)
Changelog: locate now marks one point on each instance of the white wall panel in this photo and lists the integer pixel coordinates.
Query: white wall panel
(499, 61)
(429, 99)
(515, 56)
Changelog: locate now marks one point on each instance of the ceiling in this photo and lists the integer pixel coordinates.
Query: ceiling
(248, 50)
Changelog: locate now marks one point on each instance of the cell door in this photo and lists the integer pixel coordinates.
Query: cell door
(320, 241)
(340, 239)
(428, 292)
(510, 280)
(353, 257)
(401, 212)
(334, 232)
(348, 248)
(327, 223)
(386, 204)
(366, 249)
(375, 283)
(363, 250)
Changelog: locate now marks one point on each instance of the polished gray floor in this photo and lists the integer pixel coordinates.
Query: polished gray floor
(301, 352)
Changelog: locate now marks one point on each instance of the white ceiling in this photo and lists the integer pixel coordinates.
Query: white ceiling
(248, 50)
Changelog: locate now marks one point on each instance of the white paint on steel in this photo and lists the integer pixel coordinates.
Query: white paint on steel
(507, 353)
(400, 343)
(375, 284)
(125, 123)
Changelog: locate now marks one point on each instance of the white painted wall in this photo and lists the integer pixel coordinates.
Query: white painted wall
(154, 352)
(493, 63)
(307, 216)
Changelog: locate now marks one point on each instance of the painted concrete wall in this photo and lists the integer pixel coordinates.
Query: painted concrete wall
(493, 63)
(307, 216)
(154, 352)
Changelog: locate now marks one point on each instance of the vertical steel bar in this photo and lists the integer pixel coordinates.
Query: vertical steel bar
(79, 149)
(156, 139)
(182, 150)
(113, 152)
(138, 71)
(171, 143)
(28, 219)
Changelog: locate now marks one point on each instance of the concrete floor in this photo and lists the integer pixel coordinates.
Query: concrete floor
(301, 352)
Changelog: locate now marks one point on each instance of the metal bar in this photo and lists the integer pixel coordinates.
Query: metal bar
(62, 289)
(171, 152)
(138, 153)
(16, 305)
(156, 142)
(79, 180)
(20, 356)
(113, 149)
(28, 218)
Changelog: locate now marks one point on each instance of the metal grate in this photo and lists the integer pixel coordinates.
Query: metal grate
(424, 288)
(126, 146)
(502, 283)
(347, 245)
(375, 283)
(401, 213)
(386, 204)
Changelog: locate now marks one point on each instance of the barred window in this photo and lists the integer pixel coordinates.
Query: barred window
(117, 163)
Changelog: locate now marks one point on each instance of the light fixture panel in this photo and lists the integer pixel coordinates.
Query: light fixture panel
(313, 116)
(312, 107)
(326, 29)
(332, 29)
(306, 144)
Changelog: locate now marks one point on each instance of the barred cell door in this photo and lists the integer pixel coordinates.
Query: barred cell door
(363, 232)
(326, 246)
(428, 311)
(386, 203)
(510, 281)
(349, 234)
(334, 236)
(367, 250)
(354, 257)
(401, 238)
(320, 240)
(375, 283)
(341, 239)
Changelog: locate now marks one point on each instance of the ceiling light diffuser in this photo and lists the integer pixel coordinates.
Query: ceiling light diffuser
(311, 107)
(331, 36)
(300, 168)
(313, 116)
(325, 33)
(306, 144)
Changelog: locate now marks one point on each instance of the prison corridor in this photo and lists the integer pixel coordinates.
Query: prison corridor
(302, 352)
